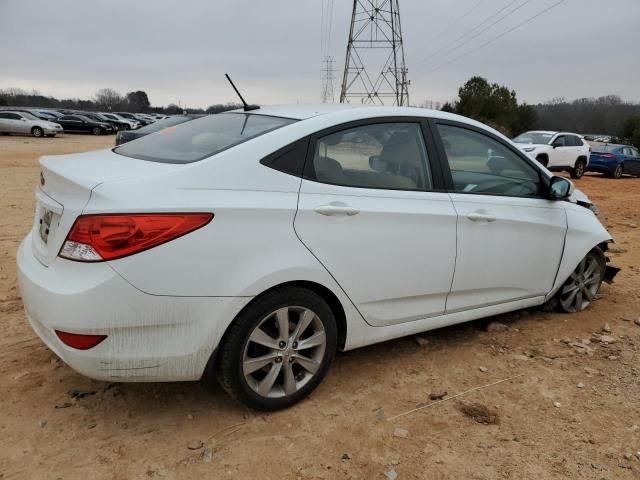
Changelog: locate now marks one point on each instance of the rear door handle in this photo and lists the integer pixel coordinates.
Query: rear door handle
(481, 217)
(333, 209)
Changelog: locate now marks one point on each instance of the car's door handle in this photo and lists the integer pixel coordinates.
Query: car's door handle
(481, 217)
(336, 209)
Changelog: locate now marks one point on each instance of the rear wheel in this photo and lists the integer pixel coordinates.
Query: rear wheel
(578, 169)
(37, 132)
(582, 286)
(278, 349)
(619, 170)
(96, 130)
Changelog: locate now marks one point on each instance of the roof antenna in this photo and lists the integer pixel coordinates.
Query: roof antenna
(247, 107)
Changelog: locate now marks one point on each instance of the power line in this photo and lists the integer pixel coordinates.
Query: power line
(447, 48)
(530, 19)
(454, 23)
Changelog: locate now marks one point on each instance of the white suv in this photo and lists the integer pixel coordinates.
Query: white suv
(556, 150)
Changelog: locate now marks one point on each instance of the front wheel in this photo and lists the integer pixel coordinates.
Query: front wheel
(582, 286)
(96, 130)
(578, 170)
(278, 349)
(37, 132)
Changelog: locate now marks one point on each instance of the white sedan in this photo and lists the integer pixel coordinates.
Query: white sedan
(27, 124)
(255, 244)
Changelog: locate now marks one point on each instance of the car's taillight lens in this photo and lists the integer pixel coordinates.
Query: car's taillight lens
(96, 238)
(607, 155)
(78, 341)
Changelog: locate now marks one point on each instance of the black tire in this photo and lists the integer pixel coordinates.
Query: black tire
(542, 160)
(579, 168)
(230, 356)
(115, 128)
(96, 131)
(617, 173)
(37, 132)
(559, 300)
(125, 127)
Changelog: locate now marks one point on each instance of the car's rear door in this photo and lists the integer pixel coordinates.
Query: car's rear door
(510, 238)
(370, 211)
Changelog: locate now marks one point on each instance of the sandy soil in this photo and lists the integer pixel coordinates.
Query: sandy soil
(511, 430)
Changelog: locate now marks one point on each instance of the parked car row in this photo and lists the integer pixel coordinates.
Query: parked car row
(571, 152)
(49, 122)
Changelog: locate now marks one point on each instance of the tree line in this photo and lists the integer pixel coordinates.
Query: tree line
(497, 106)
(105, 99)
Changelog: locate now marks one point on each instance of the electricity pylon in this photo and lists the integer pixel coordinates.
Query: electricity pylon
(374, 70)
(327, 78)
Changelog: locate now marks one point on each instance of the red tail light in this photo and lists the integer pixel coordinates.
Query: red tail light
(607, 155)
(80, 342)
(96, 238)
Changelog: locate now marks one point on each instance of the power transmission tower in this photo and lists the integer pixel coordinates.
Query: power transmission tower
(327, 78)
(375, 40)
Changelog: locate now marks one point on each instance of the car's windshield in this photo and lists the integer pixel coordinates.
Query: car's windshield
(539, 138)
(198, 139)
(29, 116)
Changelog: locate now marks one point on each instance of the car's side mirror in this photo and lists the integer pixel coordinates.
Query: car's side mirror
(560, 188)
(556, 145)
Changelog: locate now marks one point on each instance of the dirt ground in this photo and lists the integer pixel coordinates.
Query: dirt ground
(573, 411)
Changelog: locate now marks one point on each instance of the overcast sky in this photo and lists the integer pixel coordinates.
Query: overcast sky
(180, 50)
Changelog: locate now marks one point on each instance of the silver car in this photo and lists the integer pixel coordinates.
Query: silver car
(26, 123)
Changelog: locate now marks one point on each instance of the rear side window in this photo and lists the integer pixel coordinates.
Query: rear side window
(390, 156)
(202, 138)
(289, 159)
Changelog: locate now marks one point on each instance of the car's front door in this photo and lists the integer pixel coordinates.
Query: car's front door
(631, 161)
(17, 123)
(560, 155)
(510, 238)
(370, 213)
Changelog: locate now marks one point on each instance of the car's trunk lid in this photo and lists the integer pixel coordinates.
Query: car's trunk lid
(66, 182)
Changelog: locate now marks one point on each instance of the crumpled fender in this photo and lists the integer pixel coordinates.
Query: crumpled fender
(584, 232)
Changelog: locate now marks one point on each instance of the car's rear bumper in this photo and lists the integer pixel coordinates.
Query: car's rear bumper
(51, 131)
(596, 166)
(149, 337)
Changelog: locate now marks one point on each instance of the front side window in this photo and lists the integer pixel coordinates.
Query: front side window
(192, 141)
(383, 155)
(483, 165)
(560, 141)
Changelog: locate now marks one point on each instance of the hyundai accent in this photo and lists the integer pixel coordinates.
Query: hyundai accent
(254, 244)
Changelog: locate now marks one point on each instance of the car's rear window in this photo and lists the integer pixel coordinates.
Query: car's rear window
(201, 138)
(607, 148)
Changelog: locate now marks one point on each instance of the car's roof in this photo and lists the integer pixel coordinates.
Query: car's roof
(305, 111)
(330, 114)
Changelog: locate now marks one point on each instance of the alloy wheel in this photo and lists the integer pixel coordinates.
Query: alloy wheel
(581, 287)
(284, 352)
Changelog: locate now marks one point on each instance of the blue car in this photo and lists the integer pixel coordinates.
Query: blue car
(615, 160)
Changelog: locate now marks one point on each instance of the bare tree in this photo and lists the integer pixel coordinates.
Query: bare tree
(108, 98)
